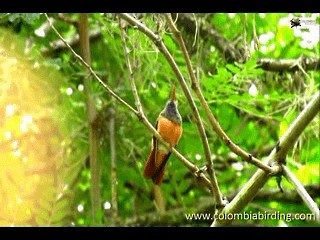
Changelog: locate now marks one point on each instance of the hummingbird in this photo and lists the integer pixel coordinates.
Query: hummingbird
(169, 126)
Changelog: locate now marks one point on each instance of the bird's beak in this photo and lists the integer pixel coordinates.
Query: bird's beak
(173, 93)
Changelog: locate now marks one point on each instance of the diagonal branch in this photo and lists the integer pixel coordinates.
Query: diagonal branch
(302, 192)
(297, 127)
(176, 216)
(158, 195)
(176, 32)
(215, 124)
(233, 53)
(86, 65)
(163, 49)
(257, 181)
(133, 86)
(228, 49)
(193, 168)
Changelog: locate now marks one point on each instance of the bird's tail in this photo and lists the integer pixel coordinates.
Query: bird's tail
(150, 167)
(156, 169)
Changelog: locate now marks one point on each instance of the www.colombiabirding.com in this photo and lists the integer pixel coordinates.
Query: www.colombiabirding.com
(288, 217)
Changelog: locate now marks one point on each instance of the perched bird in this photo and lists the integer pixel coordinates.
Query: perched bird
(169, 126)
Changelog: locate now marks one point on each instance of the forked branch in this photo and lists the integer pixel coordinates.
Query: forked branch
(193, 168)
(163, 49)
(215, 124)
(276, 157)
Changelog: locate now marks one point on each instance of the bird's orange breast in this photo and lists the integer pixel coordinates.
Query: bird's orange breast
(169, 130)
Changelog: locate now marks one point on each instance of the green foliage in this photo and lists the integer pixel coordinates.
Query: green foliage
(253, 106)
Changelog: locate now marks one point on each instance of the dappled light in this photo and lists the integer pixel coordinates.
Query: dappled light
(30, 139)
(149, 119)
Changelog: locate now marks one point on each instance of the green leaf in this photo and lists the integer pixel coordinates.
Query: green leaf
(234, 69)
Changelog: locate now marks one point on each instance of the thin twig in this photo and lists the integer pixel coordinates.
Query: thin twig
(302, 192)
(193, 168)
(163, 49)
(133, 86)
(215, 124)
(277, 155)
(210, 167)
(158, 195)
(187, 163)
(207, 31)
(90, 69)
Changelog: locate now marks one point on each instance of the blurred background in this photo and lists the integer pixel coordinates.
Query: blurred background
(71, 155)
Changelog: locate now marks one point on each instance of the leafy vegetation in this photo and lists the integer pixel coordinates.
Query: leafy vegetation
(46, 134)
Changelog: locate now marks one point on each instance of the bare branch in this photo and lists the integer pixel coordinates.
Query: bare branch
(277, 156)
(289, 196)
(86, 65)
(133, 86)
(188, 164)
(193, 168)
(302, 192)
(248, 192)
(233, 53)
(229, 50)
(288, 65)
(161, 46)
(296, 128)
(210, 167)
(176, 216)
(158, 195)
(215, 124)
